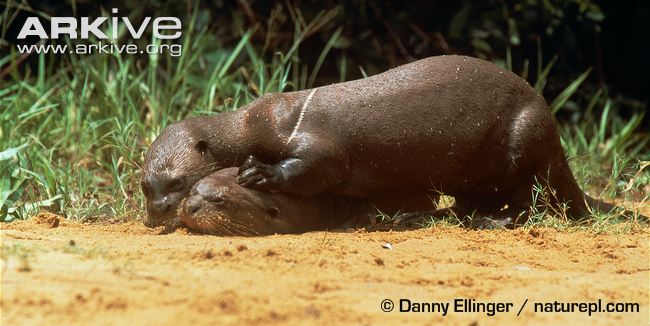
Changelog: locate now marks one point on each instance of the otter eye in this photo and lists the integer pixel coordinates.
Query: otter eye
(176, 184)
(201, 146)
(214, 197)
(273, 212)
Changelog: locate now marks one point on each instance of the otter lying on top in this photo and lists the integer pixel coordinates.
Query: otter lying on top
(454, 125)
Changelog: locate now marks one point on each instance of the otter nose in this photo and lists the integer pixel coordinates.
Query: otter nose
(161, 206)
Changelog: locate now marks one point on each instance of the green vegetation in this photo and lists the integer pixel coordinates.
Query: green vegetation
(73, 135)
(74, 129)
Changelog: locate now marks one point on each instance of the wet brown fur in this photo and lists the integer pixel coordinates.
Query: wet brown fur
(451, 124)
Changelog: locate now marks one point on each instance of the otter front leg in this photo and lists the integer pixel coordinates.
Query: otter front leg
(300, 176)
(269, 177)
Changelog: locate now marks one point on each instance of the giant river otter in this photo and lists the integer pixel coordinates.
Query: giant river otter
(455, 125)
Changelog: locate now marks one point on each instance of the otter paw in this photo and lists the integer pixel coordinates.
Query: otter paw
(258, 175)
(250, 162)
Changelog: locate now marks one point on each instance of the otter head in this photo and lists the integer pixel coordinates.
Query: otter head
(218, 205)
(176, 160)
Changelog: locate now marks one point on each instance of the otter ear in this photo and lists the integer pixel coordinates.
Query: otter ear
(202, 147)
(273, 212)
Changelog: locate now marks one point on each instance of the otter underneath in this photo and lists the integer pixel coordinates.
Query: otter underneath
(451, 124)
(218, 205)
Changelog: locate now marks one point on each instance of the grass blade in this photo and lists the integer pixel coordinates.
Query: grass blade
(559, 101)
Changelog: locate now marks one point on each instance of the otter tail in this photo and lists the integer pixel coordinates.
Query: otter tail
(599, 205)
(580, 204)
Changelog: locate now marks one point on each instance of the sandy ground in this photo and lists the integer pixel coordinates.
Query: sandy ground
(119, 274)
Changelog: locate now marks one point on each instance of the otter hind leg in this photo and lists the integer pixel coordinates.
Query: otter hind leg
(535, 156)
(561, 188)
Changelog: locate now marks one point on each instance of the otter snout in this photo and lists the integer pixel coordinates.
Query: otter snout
(161, 209)
(193, 204)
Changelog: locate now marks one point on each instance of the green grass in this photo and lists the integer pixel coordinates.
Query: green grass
(74, 129)
(73, 134)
